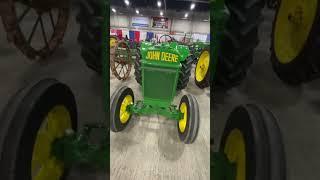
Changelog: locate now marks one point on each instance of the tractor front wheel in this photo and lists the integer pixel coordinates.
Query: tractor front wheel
(252, 141)
(33, 119)
(188, 126)
(119, 115)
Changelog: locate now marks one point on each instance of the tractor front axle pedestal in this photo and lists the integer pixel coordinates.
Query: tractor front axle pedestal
(142, 108)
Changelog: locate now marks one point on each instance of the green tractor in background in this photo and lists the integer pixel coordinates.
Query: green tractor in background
(122, 56)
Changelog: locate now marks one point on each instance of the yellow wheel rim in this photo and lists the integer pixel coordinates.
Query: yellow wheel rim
(235, 152)
(44, 165)
(124, 114)
(292, 27)
(183, 121)
(113, 42)
(202, 66)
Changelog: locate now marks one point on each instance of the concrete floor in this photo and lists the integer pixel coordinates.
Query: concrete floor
(149, 148)
(297, 109)
(67, 66)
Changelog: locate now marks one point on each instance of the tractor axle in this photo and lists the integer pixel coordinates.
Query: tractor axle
(142, 108)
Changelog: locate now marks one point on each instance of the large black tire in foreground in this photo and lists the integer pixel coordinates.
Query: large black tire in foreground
(183, 76)
(296, 41)
(238, 41)
(34, 117)
(90, 18)
(252, 141)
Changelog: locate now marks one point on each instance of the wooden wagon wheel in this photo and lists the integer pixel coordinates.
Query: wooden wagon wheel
(121, 61)
(15, 15)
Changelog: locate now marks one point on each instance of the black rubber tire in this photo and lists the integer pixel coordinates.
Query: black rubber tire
(90, 18)
(206, 81)
(26, 111)
(193, 119)
(265, 157)
(306, 66)
(238, 41)
(137, 68)
(115, 103)
(184, 73)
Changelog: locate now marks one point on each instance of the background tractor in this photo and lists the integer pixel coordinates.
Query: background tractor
(122, 56)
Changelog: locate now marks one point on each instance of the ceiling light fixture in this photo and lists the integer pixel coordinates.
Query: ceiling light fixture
(161, 13)
(137, 11)
(113, 10)
(192, 6)
(186, 15)
(127, 2)
(159, 3)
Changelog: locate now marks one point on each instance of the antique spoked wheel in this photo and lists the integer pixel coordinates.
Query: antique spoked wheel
(36, 27)
(120, 61)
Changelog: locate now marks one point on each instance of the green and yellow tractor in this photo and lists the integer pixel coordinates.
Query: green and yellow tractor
(163, 69)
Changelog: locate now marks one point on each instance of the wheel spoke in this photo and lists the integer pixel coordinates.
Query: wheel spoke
(24, 14)
(51, 19)
(117, 65)
(33, 29)
(120, 71)
(43, 32)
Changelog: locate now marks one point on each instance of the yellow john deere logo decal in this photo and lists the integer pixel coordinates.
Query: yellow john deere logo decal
(155, 55)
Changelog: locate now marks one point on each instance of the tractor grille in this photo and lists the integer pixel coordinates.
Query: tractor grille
(159, 83)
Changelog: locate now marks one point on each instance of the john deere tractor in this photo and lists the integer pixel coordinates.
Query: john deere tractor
(163, 69)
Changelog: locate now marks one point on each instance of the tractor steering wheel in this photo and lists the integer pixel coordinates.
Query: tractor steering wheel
(171, 38)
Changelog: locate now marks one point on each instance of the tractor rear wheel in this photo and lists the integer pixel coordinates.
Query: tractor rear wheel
(238, 41)
(202, 70)
(252, 141)
(90, 18)
(137, 68)
(185, 73)
(296, 41)
(35, 117)
(188, 126)
(119, 116)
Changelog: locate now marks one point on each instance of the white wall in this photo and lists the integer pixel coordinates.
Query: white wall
(119, 21)
(181, 26)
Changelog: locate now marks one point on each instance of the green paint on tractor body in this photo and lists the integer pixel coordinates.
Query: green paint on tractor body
(160, 67)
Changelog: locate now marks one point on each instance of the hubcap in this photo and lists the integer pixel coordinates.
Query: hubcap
(183, 121)
(44, 165)
(124, 114)
(292, 27)
(235, 152)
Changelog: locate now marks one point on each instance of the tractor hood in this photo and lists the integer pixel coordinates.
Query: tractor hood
(168, 51)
